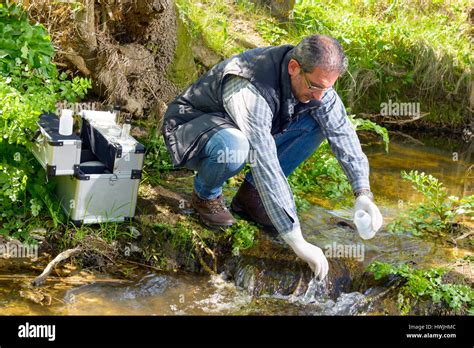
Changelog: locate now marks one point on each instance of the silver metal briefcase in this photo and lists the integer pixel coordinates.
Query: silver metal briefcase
(95, 195)
(58, 154)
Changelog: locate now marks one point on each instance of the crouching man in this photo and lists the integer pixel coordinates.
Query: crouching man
(275, 105)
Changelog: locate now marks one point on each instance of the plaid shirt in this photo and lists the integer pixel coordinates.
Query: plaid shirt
(251, 113)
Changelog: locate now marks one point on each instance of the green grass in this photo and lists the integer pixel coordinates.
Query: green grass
(212, 20)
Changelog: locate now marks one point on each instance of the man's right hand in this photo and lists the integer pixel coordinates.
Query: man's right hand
(310, 253)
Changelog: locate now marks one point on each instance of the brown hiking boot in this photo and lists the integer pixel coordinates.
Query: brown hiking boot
(213, 212)
(247, 204)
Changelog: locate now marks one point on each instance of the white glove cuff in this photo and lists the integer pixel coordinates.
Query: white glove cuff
(294, 237)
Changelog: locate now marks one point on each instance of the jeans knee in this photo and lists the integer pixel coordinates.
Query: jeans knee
(233, 149)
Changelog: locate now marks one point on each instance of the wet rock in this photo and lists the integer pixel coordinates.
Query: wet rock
(36, 296)
(271, 267)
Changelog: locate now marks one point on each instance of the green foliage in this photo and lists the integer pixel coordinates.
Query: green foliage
(13, 186)
(23, 44)
(245, 5)
(29, 85)
(424, 284)
(29, 81)
(24, 98)
(438, 212)
(242, 234)
(179, 235)
(320, 174)
(367, 125)
(157, 157)
(24, 198)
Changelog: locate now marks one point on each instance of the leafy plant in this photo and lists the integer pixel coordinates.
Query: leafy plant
(23, 44)
(29, 85)
(424, 284)
(367, 125)
(157, 157)
(242, 234)
(437, 214)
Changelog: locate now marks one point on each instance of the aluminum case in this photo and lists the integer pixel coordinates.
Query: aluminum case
(95, 195)
(58, 154)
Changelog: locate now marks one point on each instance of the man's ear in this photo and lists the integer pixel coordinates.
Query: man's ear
(293, 67)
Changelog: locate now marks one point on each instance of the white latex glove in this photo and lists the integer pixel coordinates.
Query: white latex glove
(365, 203)
(308, 252)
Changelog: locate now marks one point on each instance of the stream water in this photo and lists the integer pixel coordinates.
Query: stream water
(151, 293)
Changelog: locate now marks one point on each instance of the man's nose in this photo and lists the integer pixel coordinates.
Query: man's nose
(318, 95)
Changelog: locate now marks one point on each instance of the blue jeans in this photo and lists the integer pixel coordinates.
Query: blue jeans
(226, 152)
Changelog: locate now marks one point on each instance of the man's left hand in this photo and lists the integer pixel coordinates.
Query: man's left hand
(365, 203)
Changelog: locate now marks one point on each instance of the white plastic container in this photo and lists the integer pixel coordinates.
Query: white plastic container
(363, 222)
(66, 122)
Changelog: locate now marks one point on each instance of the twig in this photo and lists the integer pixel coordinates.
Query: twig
(142, 264)
(465, 235)
(408, 136)
(62, 256)
(383, 118)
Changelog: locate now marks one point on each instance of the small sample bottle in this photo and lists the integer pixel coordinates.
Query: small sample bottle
(363, 222)
(66, 122)
(116, 111)
(125, 129)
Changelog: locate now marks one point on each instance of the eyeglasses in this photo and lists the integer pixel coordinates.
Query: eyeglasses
(311, 87)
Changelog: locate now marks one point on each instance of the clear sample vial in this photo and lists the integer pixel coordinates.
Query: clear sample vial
(125, 129)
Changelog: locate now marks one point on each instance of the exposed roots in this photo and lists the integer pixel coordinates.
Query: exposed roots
(125, 46)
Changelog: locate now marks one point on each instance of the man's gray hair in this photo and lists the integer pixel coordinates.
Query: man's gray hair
(320, 51)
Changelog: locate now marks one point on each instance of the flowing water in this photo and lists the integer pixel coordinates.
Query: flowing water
(153, 293)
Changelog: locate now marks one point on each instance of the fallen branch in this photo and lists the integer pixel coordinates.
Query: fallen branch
(408, 137)
(408, 120)
(465, 235)
(143, 265)
(392, 119)
(62, 256)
